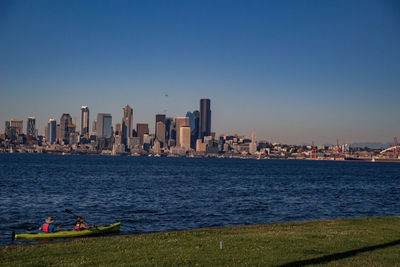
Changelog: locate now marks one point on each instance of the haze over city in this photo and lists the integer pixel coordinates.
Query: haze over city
(292, 71)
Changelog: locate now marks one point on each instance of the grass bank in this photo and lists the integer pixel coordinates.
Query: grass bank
(349, 242)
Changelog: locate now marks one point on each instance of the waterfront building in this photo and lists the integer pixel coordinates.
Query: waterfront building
(200, 146)
(134, 143)
(31, 126)
(156, 147)
(205, 118)
(184, 137)
(104, 125)
(127, 124)
(52, 130)
(84, 120)
(180, 122)
(65, 120)
(141, 129)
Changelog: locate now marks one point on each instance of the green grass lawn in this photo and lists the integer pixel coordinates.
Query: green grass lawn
(349, 242)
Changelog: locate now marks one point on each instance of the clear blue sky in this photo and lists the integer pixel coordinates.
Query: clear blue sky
(294, 71)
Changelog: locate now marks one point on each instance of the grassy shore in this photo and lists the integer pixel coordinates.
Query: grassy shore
(349, 242)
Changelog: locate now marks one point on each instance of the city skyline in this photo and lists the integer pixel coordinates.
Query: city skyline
(293, 72)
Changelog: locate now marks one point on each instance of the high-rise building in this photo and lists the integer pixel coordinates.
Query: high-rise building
(190, 115)
(253, 144)
(30, 126)
(118, 130)
(104, 125)
(13, 128)
(169, 127)
(142, 128)
(94, 127)
(65, 120)
(205, 118)
(160, 128)
(194, 123)
(180, 122)
(52, 130)
(58, 133)
(184, 137)
(160, 136)
(17, 125)
(127, 123)
(84, 120)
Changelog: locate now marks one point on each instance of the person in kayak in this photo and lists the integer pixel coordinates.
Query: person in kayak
(48, 226)
(80, 224)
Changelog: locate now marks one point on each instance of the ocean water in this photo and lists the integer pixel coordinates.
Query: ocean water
(149, 194)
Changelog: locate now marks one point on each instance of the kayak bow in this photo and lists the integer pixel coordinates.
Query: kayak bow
(67, 234)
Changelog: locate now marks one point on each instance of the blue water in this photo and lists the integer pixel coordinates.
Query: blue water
(162, 194)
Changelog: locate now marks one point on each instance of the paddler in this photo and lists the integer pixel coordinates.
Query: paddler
(80, 224)
(48, 226)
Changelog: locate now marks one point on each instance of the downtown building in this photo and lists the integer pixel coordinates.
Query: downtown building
(52, 131)
(127, 125)
(104, 125)
(160, 129)
(65, 123)
(31, 126)
(205, 118)
(84, 120)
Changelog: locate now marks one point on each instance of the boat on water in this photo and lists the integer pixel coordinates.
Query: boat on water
(112, 228)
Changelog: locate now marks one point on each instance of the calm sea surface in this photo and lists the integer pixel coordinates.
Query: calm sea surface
(161, 194)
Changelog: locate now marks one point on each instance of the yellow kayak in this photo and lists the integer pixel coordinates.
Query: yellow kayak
(72, 233)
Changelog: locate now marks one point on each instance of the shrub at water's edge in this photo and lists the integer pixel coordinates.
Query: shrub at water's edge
(362, 242)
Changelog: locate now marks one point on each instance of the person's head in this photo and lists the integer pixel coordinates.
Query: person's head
(80, 219)
(49, 220)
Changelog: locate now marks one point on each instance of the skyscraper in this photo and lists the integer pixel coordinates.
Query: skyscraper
(65, 120)
(160, 128)
(180, 122)
(18, 125)
(30, 126)
(169, 128)
(84, 120)
(127, 123)
(184, 137)
(104, 125)
(194, 123)
(142, 128)
(205, 118)
(52, 130)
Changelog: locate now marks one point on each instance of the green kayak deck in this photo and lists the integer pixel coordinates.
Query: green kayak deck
(72, 233)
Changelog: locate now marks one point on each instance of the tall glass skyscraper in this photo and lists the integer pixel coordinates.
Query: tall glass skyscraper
(84, 120)
(104, 124)
(52, 130)
(205, 118)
